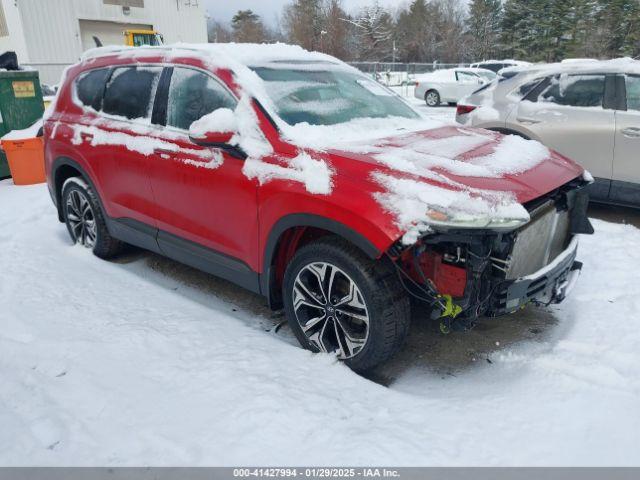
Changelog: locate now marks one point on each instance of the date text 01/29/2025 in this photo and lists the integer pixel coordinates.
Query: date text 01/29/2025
(315, 472)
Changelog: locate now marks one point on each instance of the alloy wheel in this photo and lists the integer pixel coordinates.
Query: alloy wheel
(432, 99)
(81, 219)
(330, 310)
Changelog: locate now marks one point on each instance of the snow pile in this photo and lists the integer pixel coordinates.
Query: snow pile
(29, 132)
(314, 174)
(486, 111)
(617, 65)
(184, 370)
(414, 202)
(144, 144)
(513, 155)
(222, 120)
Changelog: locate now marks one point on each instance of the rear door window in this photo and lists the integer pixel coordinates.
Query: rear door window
(192, 95)
(130, 91)
(575, 90)
(633, 92)
(89, 87)
(466, 77)
(524, 89)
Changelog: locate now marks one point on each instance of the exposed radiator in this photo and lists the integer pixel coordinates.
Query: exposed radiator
(539, 242)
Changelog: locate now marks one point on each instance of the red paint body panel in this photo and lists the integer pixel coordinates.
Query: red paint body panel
(221, 208)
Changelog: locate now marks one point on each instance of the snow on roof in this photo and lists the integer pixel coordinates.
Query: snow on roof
(224, 54)
(585, 65)
(510, 60)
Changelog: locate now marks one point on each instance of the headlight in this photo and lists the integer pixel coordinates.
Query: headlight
(438, 218)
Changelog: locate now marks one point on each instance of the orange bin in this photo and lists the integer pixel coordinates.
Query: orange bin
(26, 160)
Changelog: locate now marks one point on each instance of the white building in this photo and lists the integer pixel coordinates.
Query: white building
(51, 34)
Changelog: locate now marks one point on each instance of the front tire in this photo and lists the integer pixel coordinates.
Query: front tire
(432, 98)
(84, 219)
(338, 300)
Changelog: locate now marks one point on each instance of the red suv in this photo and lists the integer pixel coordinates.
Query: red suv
(295, 176)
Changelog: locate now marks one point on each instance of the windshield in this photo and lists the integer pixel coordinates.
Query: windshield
(329, 97)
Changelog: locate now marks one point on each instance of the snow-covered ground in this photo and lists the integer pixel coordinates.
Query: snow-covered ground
(143, 361)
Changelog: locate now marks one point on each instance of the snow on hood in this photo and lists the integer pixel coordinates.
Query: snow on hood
(410, 201)
(433, 159)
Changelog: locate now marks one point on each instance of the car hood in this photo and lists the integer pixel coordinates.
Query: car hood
(462, 158)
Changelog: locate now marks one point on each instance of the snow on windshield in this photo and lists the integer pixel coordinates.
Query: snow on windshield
(329, 96)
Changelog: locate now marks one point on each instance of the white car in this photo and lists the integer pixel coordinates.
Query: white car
(450, 85)
(497, 65)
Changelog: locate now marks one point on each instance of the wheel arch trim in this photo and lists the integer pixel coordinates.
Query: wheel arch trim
(308, 220)
(56, 165)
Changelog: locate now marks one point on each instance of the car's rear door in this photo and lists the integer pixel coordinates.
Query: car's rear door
(573, 114)
(206, 208)
(466, 84)
(625, 184)
(121, 133)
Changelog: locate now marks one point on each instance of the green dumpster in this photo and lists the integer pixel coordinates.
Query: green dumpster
(20, 105)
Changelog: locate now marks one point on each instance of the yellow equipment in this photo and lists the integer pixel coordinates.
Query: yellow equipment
(138, 38)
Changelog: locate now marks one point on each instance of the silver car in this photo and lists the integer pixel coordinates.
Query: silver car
(588, 111)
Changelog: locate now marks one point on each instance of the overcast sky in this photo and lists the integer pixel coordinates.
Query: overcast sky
(269, 10)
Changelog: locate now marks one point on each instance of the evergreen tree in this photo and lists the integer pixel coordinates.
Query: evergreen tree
(619, 21)
(417, 32)
(247, 27)
(515, 24)
(483, 28)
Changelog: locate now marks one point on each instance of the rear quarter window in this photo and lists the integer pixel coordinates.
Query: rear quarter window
(633, 92)
(89, 87)
(130, 92)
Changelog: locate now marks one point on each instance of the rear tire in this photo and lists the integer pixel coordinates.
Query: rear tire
(365, 318)
(432, 98)
(84, 219)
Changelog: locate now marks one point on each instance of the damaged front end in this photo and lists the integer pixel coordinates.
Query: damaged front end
(463, 274)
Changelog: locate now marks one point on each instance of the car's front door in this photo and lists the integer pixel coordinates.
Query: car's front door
(625, 184)
(570, 114)
(202, 197)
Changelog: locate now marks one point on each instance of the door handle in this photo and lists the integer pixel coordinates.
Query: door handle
(86, 136)
(631, 132)
(528, 120)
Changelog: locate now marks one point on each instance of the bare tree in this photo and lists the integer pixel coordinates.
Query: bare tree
(334, 36)
(218, 32)
(374, 31)
(302, 22)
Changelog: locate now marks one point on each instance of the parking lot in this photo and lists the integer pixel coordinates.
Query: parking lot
(158, 363)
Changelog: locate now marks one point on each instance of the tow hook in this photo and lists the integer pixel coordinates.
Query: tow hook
(448, 313)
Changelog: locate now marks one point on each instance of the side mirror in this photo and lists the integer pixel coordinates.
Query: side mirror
(215, 129)
(211, 138)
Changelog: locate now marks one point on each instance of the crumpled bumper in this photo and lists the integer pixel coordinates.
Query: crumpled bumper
(550, 284)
